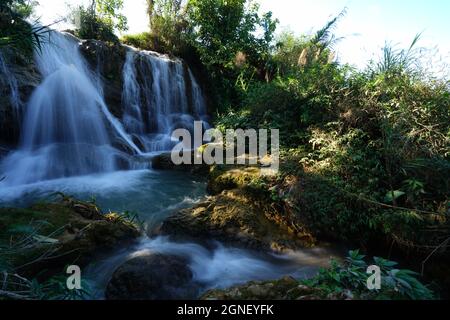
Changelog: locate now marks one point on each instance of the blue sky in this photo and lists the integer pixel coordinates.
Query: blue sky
(367, 26)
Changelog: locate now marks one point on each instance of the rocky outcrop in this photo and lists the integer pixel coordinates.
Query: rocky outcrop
(18, 73)
(107, 59)
(164, 162)
(152, 276)
(228, 178)
(284, 289)
(234, 217)
(239, 212)
(49, 236)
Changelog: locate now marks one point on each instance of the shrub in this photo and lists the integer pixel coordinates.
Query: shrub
(350, 277)
(90, 26)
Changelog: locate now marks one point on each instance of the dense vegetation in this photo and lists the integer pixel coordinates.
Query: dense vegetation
(99, 20)
(375, 142)
(15, 32)
(369, 148)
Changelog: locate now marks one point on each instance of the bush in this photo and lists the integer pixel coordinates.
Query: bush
(15, 32)
(350, 277)
(90, 26)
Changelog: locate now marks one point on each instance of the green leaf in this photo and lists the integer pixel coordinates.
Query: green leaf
(391, 196)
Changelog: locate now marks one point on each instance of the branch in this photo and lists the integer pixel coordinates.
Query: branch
(443, 244)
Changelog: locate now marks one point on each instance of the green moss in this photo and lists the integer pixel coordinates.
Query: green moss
(14, 222)
(48, 236)
(233, 177)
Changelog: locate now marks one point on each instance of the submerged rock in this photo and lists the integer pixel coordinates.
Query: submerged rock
(152, 276)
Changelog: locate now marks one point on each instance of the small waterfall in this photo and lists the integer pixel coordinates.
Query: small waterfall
(161, 98)
(67, 126)
(8, 78)
(198, 100)
(131, 97)
(68, 130)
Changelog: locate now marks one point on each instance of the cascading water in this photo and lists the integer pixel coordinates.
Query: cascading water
(70, 137)
(65, 129)
(162, 99)
(131, 97)
(11, 82)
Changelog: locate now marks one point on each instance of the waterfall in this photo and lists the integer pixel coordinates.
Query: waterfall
(131, 97)
(161, 98)
(66, 127)
(10, 80)
(68, 130)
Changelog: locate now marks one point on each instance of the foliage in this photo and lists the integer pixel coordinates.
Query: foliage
(374, 143)
(350, 277)
(233, 41)
(15, 31)
(26, 245)
(15, 287)
(99, 20)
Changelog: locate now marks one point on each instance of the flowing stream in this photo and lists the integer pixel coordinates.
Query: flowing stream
(69, 144)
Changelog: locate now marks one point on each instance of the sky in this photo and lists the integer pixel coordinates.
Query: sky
(368, 25)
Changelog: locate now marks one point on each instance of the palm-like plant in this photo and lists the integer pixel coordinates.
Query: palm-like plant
(15, 31)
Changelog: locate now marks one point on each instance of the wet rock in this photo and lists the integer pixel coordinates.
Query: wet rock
(4, 151)
(234, 217)
(65, 232)
(152, 276)
(227, 178)
(164, 162)
(26, 77)
(107, 59)
(286, 288)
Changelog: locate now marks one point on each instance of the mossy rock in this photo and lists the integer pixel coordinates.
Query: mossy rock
(286, 288)
(49, 236)
(222, 177)
(234, 217)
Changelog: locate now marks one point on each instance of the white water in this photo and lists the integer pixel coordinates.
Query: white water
(161, 100)
(216, 268)
(68, 145)
(67, 128)
(11, 81)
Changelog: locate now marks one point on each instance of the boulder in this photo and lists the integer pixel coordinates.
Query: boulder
(164, 161)
(61, 233)
(223, 177)
(286, 288)
(235, 217)
(152, 276)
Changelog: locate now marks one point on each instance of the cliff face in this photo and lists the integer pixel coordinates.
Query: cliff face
(18, 79)
(107, 60)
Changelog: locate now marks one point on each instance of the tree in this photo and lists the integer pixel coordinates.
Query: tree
(99, 20)
(15, 31)
(109, 12)
(225, 28)
(233, 40)
(168, 24)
